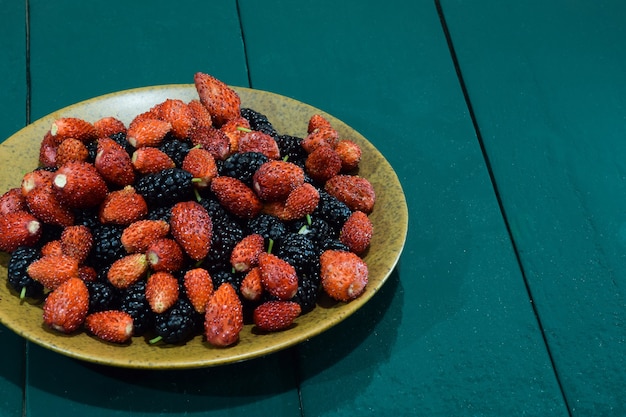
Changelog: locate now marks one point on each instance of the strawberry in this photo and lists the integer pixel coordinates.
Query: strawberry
(278, 276)
(198, 287)
(148, 160)
(48, 150)
(223, 318)
(317, 121)
(127, 270)
(222, 101)
(147, 132)
(349, 153)
(322, 136)
(236, 197)
(87, 273)
(272, 316)
(213, 140)
(39, 178)
(140, 118)
(12, 201)
(72, 127)
(274, 180)
(113, 326)
(165, 255)
(344, 275)
(76, 241)
(191, 227)
(79, 185)
(19, 228)
(323, 163)
(355, 191)
(123, 207)
(114, 163)
(251, 287)
(255, 141)
(200, 115)
(52, 247)
(245, 254)
(178, 114)
(53, 270)
(138, 236)
(161, 291)
(356, 232)
(234, 129)
(71, 150)
(66, 307)
(201, 164)
(44, 204)
(301, 201)
(109, 126)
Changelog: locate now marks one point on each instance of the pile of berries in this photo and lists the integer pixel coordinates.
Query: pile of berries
(196, 218)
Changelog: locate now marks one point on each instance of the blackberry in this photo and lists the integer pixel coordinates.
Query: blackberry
(102, 296)
(258, 121)
(133, 301)
(87, 217)
(49, 232)
(333, 211)
(308, 291)
(178, 324)
(268, 226)
(243, 165)
(227, 276)
(166, 187)
(159, 213)
(176, 149)
(317, 230)
(291, 148)
(17, 276)
(226, 234)
(92, 148)
(107, 245)
(333, 244)
(300, 252)
(120, 138)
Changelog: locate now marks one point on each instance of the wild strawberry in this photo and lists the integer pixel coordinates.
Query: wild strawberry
(301, 201)
(76, 241)
(211, 139)
(114, 163)
(123, 207)
(52, 247)
(278, 276)
(178, 114)
(277, 209)
(53, 270)
(138, 236)
(140, 118)
(272, 316)
(165, 255)
(251, 287)
(191, 226)
(349, 153)
(355, 191)
(344, 275)
(12, 201)
(109, 126)
(44, 204)
(222, 101)
(48, 150)
(323, 163)
(317, 121)
(200, 115)
(87, 273)
(223, 318)
(236, 197)
(245, 254)
(39, 178)
(79, 185)
(274, 180)
(127, 270)
(72, 127)
(71, 150)
(66, 306)
(256, 141)
(234, 129)
(148, 160)
(113, 326)
(198, 287)
(322, 136)
(19, 228)
(161, 291)
(201, 164)
(147, 132)
(356, 232)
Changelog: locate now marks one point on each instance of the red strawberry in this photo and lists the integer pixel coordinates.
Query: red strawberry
(12, 201)
(278, 276)
(245, 254)
(66, 307)
(76, 241)
(322, 164)
(222, 101)
(72, 127)
(236, 197)
(114, 163)
(317, 121)
(53, 270)
(87, 273)
(344, 275)
(140, 119)
(200, 115)
(191, 226)
(272, 316)
(349, 153)
(301, 201)
(165, 255)
(109, 126)
(19, 228)
(355, 191)
(255, 141)
(147, 132)
(52, 247)
(201, 164)
(161, 291)
(39, 178)
(48, 150)
(113, 326)
(223, 318)
(79, 185)
(234, 129)
(127, 270)
(213, 140)
(71, 150)
(178, 114)
(44, 204)
(138, 236)
(198, 287)
(323, 136)
(123, 207)
(356, 232)
(148, 160)
(251, 287)
(274, 180)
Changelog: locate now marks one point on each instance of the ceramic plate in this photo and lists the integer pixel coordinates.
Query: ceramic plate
(19, 154)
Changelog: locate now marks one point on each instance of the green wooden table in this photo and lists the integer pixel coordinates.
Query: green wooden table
(505, 125)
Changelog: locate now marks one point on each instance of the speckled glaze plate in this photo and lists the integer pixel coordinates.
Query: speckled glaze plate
(19, 154)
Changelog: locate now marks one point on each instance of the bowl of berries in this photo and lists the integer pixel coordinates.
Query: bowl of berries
(191, 225)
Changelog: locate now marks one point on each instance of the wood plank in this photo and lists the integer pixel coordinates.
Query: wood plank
(453, 331)
(546, 81)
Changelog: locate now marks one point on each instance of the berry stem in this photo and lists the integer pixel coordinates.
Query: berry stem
(270, 246)
(155, 340)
